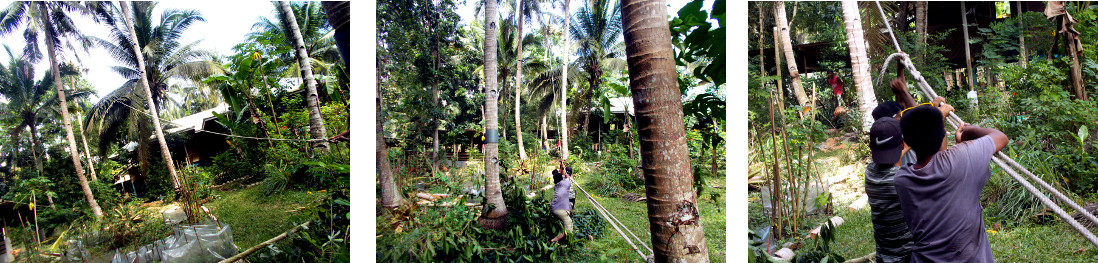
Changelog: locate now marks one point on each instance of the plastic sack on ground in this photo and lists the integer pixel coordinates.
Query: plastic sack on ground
(187, 243)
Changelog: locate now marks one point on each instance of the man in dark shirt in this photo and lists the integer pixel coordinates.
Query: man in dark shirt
(940, 194)
(890, 233)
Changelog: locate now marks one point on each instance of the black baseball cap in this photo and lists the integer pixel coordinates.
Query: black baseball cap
(886, 109)
(886, 140)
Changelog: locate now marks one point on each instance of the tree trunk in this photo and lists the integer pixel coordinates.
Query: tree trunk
(390, 193)
(676, 226)
(778, 72)
(900, 23)
(971, 78)
(339, 16)
(1075, 50)
(859, 62)
(1021, 35)
(80, 124)
(564, 87)
(38, 159)
(920, 22)
(544, 132)
(257, 119)
(495, 213)
(629, 131)
(787, 46)
(434, 97)
(164, 151)
(762, 63)
(518, 82)
(65, 118)
(317, 131)
(34, 149)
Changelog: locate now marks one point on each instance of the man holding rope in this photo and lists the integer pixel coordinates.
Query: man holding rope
(890, 232)
(562, 205)
(940, 194)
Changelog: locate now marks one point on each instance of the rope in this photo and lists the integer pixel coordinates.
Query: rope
(613, 224)
(1002, 160)
(599, 206)
(228, 135)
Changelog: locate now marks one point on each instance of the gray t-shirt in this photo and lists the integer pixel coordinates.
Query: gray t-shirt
(560, 195)
(941, 203)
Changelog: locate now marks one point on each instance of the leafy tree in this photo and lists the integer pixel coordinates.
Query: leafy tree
(51, 21)
(114, 120)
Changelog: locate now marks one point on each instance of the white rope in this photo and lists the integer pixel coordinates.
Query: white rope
(616, 228)
(599, 206)
(1001, 159)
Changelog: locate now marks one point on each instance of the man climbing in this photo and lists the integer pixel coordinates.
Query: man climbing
(893, 240)
(940, 193)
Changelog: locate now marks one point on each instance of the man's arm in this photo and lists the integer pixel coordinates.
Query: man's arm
(971, 132)
(899, 87)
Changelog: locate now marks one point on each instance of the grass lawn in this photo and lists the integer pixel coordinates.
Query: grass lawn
(256, 217)
(634, 215)
(1052, 242)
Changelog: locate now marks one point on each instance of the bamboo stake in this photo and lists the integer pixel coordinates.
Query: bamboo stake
(255, 248)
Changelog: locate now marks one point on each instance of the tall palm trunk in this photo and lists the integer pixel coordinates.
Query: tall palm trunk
(920, 24)
(339, 16)
(518, 81)
(164, 151)
(564, 87)
(677, 234)
(787, 45)
(859, 62)
(65, 118)
(317, 131)
(390, 193)
(1021, 36)
(35, 147)
(434, 90)
(495, 214)
(971, 78)
(38, 159)
(83, 139)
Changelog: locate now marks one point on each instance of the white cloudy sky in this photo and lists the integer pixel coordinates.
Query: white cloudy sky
(227, 24)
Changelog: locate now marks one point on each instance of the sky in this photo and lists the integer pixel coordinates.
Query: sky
(227, 24)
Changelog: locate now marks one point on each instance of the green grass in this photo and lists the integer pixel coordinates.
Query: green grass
(634, 215)
(256, 217)
(1053, 242)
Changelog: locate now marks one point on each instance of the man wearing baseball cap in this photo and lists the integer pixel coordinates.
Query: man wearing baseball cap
(940, 193)
(886, 145)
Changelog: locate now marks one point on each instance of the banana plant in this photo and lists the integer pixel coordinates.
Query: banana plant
(236, 89)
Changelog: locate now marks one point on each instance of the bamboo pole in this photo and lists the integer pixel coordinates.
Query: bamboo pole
(255, 248)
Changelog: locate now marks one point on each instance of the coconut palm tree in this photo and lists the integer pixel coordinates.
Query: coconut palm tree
(787, 47)
(677, 234)
(495, 214)
(315, 31)
(31, 102)
(166, 60)
(317, 131)
(859, 62)
(527, 10)
(50, 20)
(600, 48)
(143, 79)
(564, 85)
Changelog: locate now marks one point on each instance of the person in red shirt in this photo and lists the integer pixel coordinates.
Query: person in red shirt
(836, 85)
